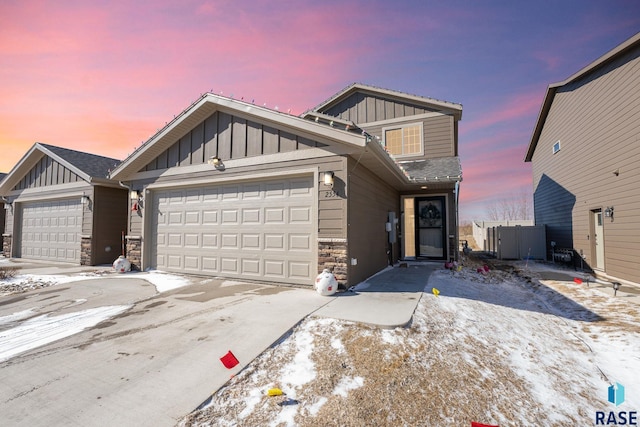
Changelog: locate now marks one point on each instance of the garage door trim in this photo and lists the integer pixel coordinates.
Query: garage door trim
(148, 245)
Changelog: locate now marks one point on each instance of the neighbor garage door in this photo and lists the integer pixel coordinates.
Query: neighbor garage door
(51, 230)
(253, 230)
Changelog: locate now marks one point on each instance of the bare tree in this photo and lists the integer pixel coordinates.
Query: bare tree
(514, 207)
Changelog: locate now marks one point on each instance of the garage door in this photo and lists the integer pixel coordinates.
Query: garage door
(254, 230)
(51, 230)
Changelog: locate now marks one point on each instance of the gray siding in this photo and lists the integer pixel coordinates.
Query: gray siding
(228, 137)
(597, 121)
(2, 218)
(46, 172)
(438, 135)
(370, 201)
(365, 108)
(110, 211)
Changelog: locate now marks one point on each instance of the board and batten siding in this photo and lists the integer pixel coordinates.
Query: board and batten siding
(364, 108)
(46, 172)
(227, 137)
(597, 121)
(370, 200)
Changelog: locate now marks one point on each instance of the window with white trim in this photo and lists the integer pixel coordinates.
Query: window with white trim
(404, 140)
(556, 147)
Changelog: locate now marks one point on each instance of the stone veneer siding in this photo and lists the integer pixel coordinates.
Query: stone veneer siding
(134, 252)
(85, 250)
(6, 245)
(332, 255)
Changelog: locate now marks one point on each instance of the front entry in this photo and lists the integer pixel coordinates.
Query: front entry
(430, 225)
(597, 232)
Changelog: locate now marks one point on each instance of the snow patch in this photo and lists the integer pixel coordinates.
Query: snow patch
(347, 384)
(45, 329)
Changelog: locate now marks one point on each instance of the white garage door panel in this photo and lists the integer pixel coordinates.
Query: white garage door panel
(257, 230)
(51, 230)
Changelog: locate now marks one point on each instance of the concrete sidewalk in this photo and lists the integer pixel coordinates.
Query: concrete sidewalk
(387, 299)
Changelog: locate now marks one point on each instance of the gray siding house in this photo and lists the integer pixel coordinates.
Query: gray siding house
(4, 206)
(585, 154)
(60, 206)
(232, 189)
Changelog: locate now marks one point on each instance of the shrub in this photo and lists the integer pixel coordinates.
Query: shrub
(7, 272)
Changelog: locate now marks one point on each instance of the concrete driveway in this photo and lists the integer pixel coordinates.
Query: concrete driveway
(151, 364)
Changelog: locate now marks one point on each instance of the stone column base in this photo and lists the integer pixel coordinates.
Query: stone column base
(85, 250)
(134, 252)
(332, 255)
(6, 245)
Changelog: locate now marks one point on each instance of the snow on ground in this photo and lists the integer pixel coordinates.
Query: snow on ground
(41, 330)
(25, 282)
(24, 330)
(495, 348)
(163, 281)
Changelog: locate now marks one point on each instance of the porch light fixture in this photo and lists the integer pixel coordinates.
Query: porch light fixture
(85, 199)
(616, 286)
(328, 178)
(133, 194)
(216, 162)
(608, 212)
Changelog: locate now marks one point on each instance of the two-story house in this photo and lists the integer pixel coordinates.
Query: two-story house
(585, 151)
(233, 189)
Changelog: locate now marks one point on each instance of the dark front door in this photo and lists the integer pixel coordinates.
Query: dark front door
(431, 227)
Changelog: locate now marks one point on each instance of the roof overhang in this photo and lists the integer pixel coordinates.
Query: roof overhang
(29, 160)
(209, 104)
(553, 88)
(429, 103)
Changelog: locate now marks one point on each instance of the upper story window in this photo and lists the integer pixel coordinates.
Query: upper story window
(556, 147)
(404, 140)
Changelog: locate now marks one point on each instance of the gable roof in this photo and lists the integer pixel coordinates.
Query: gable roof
(90, 167)
(208, 104)
(605, 59)
(430, 103)
(369, 152)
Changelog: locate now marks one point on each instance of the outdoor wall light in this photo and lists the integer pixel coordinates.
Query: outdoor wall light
(328, 178)
(608, 212)
(136, 195)
(216, 162)
(85, 199)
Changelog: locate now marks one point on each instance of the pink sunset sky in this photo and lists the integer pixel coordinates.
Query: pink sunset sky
(103, 76)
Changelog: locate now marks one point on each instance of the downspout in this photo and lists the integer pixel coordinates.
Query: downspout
(123, 185)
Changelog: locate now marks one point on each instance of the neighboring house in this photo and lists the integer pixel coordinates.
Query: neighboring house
(3, 207)
(61, 206)
(232, 189)
(585, 152)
